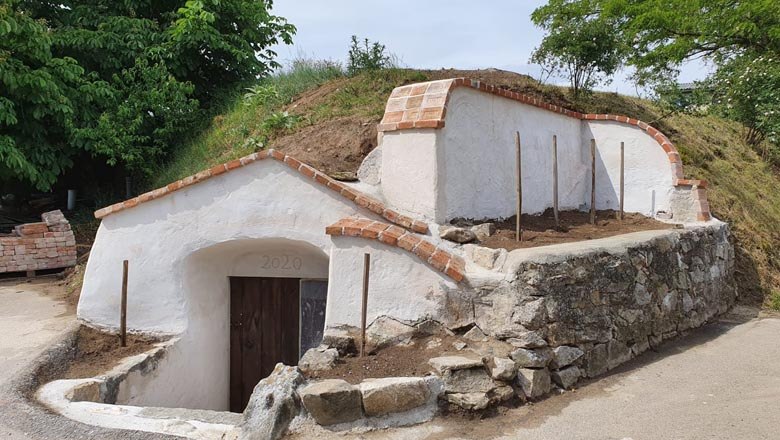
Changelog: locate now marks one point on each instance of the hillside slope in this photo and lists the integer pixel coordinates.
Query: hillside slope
(332, 125)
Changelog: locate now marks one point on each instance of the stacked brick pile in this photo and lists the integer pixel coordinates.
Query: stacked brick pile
(49, 244)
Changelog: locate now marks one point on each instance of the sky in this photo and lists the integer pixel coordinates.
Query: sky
(431, 33)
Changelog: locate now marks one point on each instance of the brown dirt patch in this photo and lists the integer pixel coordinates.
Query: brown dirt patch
(97, 352)
(336, 146)
(539, 230)
(407, 360)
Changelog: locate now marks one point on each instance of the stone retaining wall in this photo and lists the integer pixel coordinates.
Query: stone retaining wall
(49, 244)
(612, 300)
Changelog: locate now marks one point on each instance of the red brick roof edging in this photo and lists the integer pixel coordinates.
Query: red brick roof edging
(424, 105)
(451, 265)
(359, 198)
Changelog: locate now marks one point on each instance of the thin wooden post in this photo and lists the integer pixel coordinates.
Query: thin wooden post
(123, 314)
(593, 181)
(364, 304)
(555, 182)
(622, 179)
(519, 174)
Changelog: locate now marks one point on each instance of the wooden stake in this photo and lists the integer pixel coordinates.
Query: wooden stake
(364, 305)
(519, 174)
(593, 181)
(622, 179)
(123, 314)
(555, 182)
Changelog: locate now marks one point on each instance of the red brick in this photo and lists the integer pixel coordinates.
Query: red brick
(405, 125)
(362, 201)
(374, 229)
(429, 124)
(409, 242)
(349, 193)
(411, 115)
(292, 162)
(414, 102)
(420, 227)
(401, 91)
(217, 170)
(396, 105)
(455, 271)
(306, 170)
(424, 250)
(321, 178)
(351, 230)
(387, 127)
(276, 154)
(432, 113)
(391, 235)
(233, 164)
(419, 89)
(391, 117)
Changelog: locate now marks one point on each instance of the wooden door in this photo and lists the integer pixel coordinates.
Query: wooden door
(264, 326)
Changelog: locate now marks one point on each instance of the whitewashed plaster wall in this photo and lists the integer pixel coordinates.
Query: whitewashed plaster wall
(410, 175)
(203, 353)
(480, 156)
(254, 221)
(648, 178)
(467, 168)
(400, 285)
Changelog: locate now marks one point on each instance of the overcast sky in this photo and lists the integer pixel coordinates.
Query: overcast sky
(429, 33)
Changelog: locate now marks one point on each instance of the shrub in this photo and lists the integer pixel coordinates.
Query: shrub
(367, 56)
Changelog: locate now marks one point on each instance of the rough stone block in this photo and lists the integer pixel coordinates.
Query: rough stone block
(469, 380)
(525, 358)
(564, 356)
(484, 231)
(528, 340)
(385, 331)
(448, 363)
(531, 314)
(456, 234)
(534, 382)
(501, 368)
(566, 377)
(272, 405)
(596, 360)
(332, 401)
(393, 394)
(341, 339)
(318, 359)
(469, 401)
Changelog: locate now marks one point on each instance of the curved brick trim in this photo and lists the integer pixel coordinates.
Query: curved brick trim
(361, 199)
(424, 105)
(441, 260)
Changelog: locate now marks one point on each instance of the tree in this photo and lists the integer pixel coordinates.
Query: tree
(579, 43)
(747, 90)
(665, 33)
(123, 80)
(43, 99)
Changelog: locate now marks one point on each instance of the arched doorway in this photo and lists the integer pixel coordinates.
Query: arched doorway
(252, 304)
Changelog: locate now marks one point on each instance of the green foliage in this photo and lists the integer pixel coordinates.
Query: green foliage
(365, 56)
(580, 44)
(279, 121)
(148, 114)
(248, 126)
(748, 91)
(261, 94)
(43, 99)
(774, 301)
(665, 33)
(121, 80)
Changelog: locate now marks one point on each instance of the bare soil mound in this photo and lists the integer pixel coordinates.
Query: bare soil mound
(97, 352)
(540, 230)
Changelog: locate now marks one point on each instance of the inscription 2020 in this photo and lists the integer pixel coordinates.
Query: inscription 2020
(283, 262)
